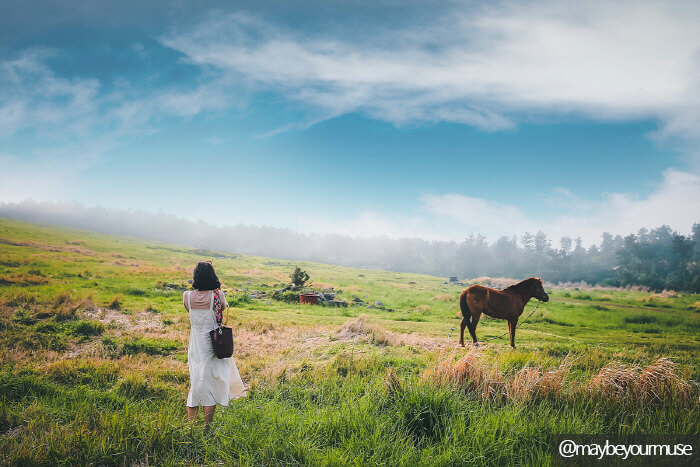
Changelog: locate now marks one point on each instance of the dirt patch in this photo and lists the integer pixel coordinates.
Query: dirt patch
(252, 342)
(361, 329)
(141, 323)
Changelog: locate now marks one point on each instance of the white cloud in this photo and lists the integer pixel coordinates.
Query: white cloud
(485, 67)
(33, 96)
(454, 216)
(674, 203)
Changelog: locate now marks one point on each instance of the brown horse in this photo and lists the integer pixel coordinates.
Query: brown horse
(505, 304)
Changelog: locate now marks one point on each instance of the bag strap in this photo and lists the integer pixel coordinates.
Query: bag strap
(218, 309)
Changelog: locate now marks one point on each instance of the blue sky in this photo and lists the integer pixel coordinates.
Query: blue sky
(360, 118)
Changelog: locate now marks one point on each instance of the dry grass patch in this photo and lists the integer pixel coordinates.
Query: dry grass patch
(469, 373)
(145, 324)
(280, 276)
(65, 306)
(360, 328)
(263, 339)
(498, 282)
(658, 382)
(115, 303)
(530, 382)
(18, 298)
(22, 279)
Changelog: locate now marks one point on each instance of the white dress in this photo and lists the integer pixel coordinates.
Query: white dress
(212, 380)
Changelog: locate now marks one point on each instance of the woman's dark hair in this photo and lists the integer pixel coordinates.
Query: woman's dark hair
(204, 277)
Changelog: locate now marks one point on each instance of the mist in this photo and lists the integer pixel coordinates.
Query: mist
(517, 256)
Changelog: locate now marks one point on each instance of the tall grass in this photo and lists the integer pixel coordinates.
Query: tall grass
(318, 417)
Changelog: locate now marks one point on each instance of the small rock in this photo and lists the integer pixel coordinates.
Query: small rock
(378, 303)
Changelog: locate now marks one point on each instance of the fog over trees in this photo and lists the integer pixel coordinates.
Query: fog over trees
(657, 258)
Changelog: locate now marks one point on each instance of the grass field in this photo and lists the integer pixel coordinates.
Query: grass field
(93, 341)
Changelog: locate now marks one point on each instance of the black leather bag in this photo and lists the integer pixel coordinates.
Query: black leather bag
(221, 337)
(222, 341)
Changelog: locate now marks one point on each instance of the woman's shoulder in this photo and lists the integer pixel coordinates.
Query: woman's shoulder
(222, 297)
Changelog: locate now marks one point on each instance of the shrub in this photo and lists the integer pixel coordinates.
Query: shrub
(299, 277)
(289, 296)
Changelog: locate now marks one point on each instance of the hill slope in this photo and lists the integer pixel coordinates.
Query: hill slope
(93, 349)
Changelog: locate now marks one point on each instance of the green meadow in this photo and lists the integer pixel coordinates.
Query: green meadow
(93, 354)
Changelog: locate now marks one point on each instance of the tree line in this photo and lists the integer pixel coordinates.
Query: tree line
(658, 258)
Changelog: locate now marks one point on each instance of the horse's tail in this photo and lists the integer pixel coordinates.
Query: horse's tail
(466, 312)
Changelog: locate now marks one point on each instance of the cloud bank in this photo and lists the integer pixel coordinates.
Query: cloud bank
(452, 216)
(490, 67)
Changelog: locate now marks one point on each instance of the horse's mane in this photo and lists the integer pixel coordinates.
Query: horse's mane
(520, 284)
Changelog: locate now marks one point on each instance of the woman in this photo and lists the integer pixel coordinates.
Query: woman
(212, 380)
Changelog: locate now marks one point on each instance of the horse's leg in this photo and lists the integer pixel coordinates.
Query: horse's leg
(472, 326)
(464, 324)
(512, 326)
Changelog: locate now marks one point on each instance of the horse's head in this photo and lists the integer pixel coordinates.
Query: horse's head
(537, 290)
